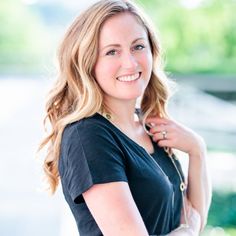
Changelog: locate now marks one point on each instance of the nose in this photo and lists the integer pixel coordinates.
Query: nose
(129, 61)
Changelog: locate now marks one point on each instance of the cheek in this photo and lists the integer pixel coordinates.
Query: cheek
(105, 68)
(149, 59)
(104, 72)
(146, 61)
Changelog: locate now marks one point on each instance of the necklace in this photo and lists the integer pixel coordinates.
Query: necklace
(182, 185)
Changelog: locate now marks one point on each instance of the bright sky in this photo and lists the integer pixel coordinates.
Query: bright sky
(84, 3)
(191, 3)
(71, 3)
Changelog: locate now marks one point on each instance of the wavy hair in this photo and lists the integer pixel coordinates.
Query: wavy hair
(76, 94)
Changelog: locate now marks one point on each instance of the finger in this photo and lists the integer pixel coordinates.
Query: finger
(161, 136)
(164, 143)
(156, 120)
(157, 137)
(158, 128)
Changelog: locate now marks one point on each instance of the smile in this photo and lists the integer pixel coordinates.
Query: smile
(129, 78)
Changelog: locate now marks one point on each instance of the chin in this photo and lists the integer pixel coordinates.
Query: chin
(132, 97)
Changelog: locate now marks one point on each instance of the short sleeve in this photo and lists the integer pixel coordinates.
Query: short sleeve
(90, 155)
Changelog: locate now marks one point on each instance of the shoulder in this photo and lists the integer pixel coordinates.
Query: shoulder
(86, 140)
(92, 128)
(95, 124)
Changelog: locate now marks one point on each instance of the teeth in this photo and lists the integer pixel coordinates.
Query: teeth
(129, 77)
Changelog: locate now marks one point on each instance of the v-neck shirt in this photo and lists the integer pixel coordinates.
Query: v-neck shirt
(94, 151)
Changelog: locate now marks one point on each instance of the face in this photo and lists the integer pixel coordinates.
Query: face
(124, 63)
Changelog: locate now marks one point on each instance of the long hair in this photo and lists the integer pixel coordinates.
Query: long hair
(76, 95)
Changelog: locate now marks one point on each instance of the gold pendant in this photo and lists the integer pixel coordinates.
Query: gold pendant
(108, 116)
(182, 186)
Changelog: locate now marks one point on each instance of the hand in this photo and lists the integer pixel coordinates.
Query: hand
(177, 136)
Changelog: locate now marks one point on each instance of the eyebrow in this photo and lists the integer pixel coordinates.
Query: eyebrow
(118, 45)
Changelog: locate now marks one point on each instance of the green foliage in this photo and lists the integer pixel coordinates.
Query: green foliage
(231, 232)
(217, 231)
(223, 210)
(201, 39)
(22, 37)
(197, 40)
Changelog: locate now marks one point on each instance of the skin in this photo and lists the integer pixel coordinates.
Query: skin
(182, 138)
(131, 55)
(124, 49)
(112, 204)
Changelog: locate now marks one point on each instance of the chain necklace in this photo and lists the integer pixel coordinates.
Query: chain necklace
(182, 185)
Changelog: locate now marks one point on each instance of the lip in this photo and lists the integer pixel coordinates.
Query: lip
(130, 75)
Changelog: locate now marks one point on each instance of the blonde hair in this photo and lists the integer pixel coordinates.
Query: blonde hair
(76, 94)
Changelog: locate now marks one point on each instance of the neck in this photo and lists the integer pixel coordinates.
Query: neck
(121, 113)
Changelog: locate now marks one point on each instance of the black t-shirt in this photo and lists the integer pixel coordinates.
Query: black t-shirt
(94, 151)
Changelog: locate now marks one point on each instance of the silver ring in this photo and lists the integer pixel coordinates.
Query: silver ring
(164, 134)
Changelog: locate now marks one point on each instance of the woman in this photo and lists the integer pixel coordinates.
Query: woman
(115, 160)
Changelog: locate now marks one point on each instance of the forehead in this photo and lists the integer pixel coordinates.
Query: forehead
(121, 27)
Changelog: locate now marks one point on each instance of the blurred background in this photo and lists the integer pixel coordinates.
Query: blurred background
(199, 42)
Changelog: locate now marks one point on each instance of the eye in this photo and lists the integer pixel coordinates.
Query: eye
(111, 53)
(139, 47)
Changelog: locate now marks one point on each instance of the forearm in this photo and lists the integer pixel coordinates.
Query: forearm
(199, 187)
(184, 139)
(194, 222)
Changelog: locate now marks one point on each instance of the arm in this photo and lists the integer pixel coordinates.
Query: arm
(114, 209)
(199, 187)
(194, 222)
(184, 139)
